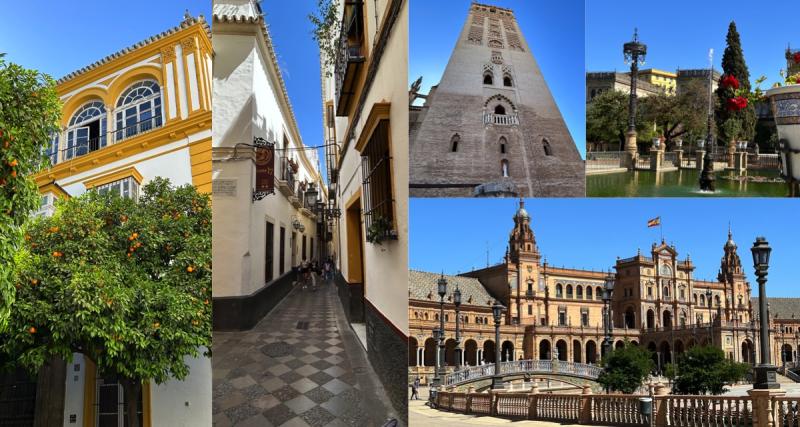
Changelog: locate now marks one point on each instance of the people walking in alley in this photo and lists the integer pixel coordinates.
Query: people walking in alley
(305, 273)
(327, 270)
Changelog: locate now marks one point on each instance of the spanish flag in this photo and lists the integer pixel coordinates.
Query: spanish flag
(655, 222)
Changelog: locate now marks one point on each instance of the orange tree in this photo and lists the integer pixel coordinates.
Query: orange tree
(29, 113)
(125, 283)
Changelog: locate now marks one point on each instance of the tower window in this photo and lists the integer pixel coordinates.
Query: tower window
(504, 166)
(507, 81)
(454, 143)
(487, 79)
(503, 145)
(499, 109)
(548, 151)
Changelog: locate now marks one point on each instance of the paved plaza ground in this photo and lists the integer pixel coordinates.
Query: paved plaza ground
(301, 365)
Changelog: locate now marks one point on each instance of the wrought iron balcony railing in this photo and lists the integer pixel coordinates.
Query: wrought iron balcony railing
(349, 55)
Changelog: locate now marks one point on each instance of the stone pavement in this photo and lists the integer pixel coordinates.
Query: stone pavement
(301, 365)
(420, 414)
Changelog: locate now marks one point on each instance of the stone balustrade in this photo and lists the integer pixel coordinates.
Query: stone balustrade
(500, 119)
(761, 408)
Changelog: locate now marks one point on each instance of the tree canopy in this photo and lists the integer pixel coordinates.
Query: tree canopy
(704, 369)
(29, 113)
(733, 64)
(126, 283)
(626, 368)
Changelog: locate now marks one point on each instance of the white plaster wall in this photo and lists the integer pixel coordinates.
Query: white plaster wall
(174, 165)
(246, 105)
(386, 265)
(184, 403)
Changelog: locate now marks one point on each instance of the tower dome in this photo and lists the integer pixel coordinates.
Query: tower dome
(521, 212)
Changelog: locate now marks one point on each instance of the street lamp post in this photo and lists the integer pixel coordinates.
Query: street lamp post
(710, 321)
(765, 371)
(608, 290)
(634, 53)
(457, 351)
(707, 175)
(497, 379)
(442, 290)
(437, 380)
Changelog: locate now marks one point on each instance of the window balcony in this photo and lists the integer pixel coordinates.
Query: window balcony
(286, 181)
(82, 141)
(500, 119)
(350, 55)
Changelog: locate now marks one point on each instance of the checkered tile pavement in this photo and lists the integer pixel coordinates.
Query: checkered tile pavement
(292, 369)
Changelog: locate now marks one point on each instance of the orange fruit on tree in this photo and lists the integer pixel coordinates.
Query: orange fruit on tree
(32, 330)
(190, 269)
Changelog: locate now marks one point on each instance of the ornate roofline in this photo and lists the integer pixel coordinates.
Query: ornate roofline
(186, 23)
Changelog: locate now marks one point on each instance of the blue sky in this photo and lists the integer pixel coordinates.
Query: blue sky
(453, 234)
(298, 58)
(58, 37)
(553, 29)
(679, 34)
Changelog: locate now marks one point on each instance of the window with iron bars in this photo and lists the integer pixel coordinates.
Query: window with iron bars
(377, 185)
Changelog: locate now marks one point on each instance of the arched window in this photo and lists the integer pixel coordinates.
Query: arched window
(138, 109)
(559, 291)
(579, 292)
(569, 291)
(594, 93)
(588, 292)
(504, 166)
(488, 78)
(507, 81)
(499, 109)
(503, 145)
(86, 131)
(454, 143)
(548, 151)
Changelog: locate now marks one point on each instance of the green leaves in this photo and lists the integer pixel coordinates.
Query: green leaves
(626, 368)
(326, 32)
(109, 277)
(705, 369)
(29, 113)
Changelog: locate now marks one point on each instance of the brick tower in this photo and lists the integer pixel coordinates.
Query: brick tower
(491, 126)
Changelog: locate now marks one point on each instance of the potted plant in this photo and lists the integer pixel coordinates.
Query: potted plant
(785, 102)
(380, 229)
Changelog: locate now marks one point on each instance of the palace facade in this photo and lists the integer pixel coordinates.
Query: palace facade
(558, 313)
(140, 113)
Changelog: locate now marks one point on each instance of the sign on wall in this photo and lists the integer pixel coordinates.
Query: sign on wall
(265, 168)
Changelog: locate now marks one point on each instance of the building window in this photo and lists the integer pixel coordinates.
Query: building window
(52, 149)
(269, 256)
(579, 292)
(559, 291)
(499, 109)
(569, 291)
(138, 109)
(110, 408)
(585, 318)
(588, 292)
(503, 142)
(304, 248)
(530, 310)
(562, 317)
(504, 168)
(87, 130)
(488, 79)
(507, 81)
(126, 187)
(46, 205)
(454, 143)
(377, 183)
(282, 252)
(548, 151)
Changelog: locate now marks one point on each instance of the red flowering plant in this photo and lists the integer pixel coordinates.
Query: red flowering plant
(737, 97)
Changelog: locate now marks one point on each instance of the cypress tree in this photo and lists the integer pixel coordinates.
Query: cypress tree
(733, 64)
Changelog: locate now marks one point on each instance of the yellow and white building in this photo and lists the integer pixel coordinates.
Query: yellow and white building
(140, 113)
(366, 123)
